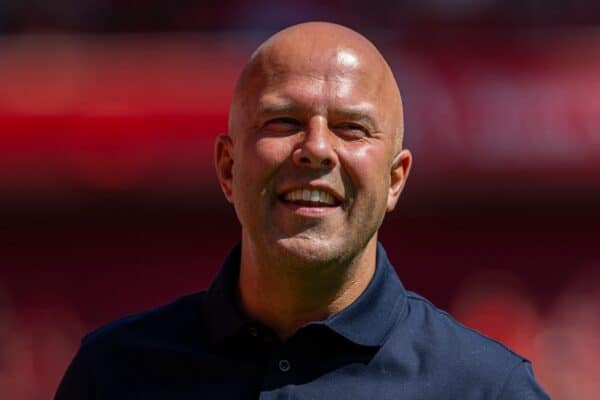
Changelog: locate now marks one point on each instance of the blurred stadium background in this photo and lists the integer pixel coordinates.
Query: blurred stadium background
(108, 204)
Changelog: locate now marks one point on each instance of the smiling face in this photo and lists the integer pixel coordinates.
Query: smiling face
(313, 162)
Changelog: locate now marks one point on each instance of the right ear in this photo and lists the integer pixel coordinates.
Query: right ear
(224, 164)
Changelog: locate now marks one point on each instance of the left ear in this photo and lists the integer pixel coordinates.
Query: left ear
(398, 175)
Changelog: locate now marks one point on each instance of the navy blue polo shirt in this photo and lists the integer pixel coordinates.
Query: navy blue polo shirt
(388, 344)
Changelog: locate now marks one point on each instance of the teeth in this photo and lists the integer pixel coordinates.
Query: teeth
(306, 195)
(326, 198)
(315, 196)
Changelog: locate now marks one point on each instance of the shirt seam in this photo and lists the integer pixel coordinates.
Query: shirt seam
(401, 301)
(453, 321)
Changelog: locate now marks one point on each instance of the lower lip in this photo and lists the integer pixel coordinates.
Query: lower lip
(309, 211)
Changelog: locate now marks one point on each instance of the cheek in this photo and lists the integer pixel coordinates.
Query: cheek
(367, 167)
(273, 151)
(256, 163)
(367, 170)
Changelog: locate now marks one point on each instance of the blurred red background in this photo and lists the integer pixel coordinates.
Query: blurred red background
(109, 205)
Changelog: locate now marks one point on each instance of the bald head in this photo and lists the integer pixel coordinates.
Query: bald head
(323, 51)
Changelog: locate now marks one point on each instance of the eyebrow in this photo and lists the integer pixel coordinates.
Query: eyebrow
(279, 107)
(359, 112)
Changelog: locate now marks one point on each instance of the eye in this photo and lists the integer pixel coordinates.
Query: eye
(351, 130)
(283, 124)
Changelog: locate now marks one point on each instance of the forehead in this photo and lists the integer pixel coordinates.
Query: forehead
(339, 79)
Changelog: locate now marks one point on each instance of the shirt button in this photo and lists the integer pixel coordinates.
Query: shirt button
(284, 365)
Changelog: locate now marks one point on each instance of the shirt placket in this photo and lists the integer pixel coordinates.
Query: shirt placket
(279, 374)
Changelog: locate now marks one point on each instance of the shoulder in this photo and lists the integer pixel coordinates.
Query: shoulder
(451, 336)
(175, 323)
(110, 358)
(461, 357)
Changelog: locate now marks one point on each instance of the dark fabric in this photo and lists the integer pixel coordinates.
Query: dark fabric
(389, 344)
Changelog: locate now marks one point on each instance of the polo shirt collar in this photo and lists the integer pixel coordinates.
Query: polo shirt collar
(371, 317)
(367, 321)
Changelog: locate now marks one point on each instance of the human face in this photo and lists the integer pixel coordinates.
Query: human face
(312, 165)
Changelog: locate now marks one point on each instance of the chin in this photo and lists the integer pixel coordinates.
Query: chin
(306, 251)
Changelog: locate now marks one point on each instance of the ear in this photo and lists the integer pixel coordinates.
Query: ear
(224, 164)
(398, 175)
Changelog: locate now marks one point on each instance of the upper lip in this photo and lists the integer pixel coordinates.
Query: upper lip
(313, 186)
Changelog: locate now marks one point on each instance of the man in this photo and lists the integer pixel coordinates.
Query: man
(308, 306)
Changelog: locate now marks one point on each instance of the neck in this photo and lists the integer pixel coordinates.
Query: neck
(286, 297)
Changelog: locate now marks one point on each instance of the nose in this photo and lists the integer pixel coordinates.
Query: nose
(317, 149)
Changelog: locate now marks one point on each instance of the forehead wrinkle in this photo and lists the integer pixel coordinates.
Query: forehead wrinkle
(277, 102)
(285, 83)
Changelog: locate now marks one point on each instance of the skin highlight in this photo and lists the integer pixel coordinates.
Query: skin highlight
(316, 107)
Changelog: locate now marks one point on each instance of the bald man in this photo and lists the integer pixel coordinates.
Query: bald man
(307, 306)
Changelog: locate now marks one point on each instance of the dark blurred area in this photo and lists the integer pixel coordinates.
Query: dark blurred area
(119, 16)
(109, 205)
